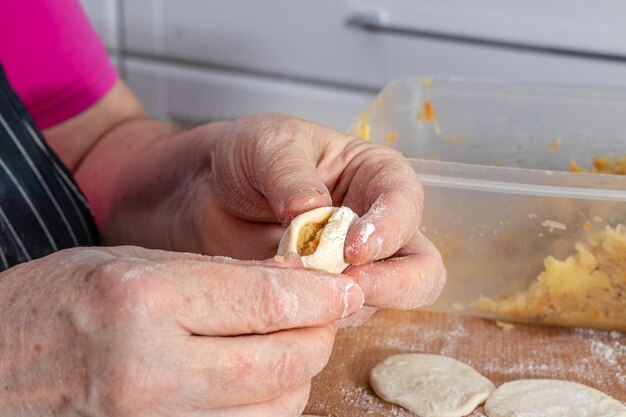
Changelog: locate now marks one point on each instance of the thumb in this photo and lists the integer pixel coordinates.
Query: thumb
(292, 184)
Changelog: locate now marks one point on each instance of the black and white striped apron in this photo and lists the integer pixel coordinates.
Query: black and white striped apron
(41, 208)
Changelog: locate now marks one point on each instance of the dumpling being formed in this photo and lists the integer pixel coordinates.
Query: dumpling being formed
(318, 236)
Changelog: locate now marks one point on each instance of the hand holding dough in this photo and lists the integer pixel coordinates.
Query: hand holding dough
(318, 236)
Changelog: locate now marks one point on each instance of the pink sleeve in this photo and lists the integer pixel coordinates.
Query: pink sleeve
(53, 58)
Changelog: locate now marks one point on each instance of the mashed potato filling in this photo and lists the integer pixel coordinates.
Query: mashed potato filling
(309, 237)
(586, 289)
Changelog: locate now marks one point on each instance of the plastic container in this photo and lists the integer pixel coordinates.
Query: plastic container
(494, 161)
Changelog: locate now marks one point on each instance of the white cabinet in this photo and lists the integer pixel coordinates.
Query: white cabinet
(194, 95)
(311, 40)
(323, 59)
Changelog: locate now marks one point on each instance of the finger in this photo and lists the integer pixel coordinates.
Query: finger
(235, 237)
(159, 257)
(414, 278)
(284, 167)
(393, 198)
(292, 260)
(228, 298)
(292, 185)
(253, 369)
(269, 170)
(289, 405)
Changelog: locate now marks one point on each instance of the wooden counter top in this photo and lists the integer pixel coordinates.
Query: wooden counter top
(591, 357)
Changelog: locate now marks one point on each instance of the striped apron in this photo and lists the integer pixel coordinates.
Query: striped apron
(41, 208)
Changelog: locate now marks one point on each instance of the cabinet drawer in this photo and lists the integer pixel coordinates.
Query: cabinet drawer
(185, 94)
(311, 40)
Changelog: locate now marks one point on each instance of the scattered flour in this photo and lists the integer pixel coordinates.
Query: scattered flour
(553, 225)
(136, 271)
(454, 336)
(366, 232)
(378, 210)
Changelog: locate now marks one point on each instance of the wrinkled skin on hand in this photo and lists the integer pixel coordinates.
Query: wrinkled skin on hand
(230, 188)
(267, 169)
(127, 331)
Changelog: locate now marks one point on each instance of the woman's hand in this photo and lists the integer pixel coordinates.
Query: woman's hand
(127, 331)
(229, 188)
(266, 169)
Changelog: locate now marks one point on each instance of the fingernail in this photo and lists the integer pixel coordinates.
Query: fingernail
(304, 201)
(352, 300)
(368, 283)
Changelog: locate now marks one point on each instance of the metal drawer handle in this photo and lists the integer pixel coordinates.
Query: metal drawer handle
(376, 23)
(367, 21)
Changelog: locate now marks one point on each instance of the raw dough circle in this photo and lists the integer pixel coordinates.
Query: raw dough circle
(551, 398)
(321, 231)
(430, 385)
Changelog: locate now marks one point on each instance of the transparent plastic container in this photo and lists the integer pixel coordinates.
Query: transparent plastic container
(494, 161)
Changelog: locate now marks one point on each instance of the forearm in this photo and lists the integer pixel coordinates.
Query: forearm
(133, 170)
(135, 180)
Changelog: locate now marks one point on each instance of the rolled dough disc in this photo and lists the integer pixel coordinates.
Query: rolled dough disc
(430, 385)
(551, 398)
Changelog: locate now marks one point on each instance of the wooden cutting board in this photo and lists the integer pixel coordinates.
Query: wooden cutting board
(591, 357)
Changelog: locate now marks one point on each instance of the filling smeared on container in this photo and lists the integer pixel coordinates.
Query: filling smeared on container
(603, 165)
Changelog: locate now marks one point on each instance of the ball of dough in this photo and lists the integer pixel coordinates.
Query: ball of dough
(430, 385)
(553, 398)
(318, 236)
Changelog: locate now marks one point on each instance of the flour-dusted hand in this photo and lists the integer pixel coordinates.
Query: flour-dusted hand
(271, 167)
(133, 332)
(230, 188)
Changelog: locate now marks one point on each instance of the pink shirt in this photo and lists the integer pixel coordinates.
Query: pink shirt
(53, 58)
